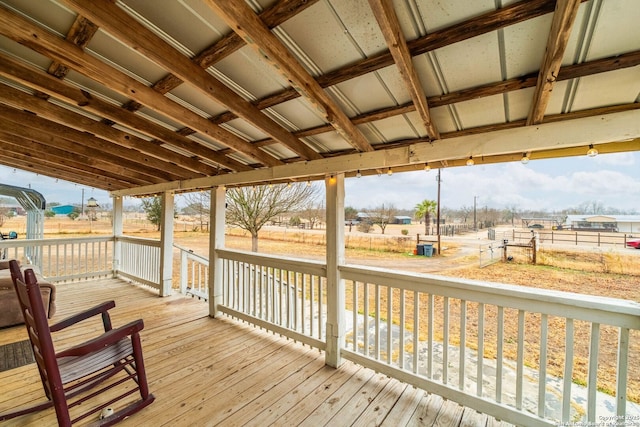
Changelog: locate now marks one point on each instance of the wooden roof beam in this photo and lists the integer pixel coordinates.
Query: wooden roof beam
(72, 165)
(150, 153)
(42, 82)
(388, 21)
(139, 38)
(240, 17)
(563, 19)
(100, 152)
(48, 44)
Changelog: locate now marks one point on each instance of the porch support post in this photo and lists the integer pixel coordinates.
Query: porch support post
(117, 232)
(166, 244)
(335, 258)
(216, 241)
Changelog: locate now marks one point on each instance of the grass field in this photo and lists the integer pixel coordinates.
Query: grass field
(607, 273)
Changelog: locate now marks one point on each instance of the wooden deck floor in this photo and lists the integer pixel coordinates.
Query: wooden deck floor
(207, 372)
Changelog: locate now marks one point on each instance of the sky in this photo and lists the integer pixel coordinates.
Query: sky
(611, 180)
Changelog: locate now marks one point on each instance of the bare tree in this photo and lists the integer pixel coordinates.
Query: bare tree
(250, 208)
(313, 213)
(382, 216)
(198, 204)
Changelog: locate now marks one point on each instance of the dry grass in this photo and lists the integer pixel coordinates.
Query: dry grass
(604, 273)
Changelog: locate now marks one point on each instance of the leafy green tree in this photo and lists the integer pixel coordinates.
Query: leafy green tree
(152, 206)
(350, 214)
(250, 208)
(424, 210)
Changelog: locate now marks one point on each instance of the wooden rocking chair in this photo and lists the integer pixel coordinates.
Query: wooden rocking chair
(68, 376)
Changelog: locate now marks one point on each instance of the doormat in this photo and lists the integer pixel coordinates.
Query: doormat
(15, 354)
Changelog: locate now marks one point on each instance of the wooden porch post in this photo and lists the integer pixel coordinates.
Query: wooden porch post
(166, 244)
(216, 241)
(335, 258)
(117, 232)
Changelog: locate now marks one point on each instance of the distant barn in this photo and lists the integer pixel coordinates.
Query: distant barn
(402, 220)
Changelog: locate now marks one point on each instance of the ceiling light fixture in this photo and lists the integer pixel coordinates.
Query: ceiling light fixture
(592, 152)
(358, 174)
(470, 161)
(525, 159)
(389, 172)
(427, 168)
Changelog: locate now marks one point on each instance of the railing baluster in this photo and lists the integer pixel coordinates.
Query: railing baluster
(480, 363)
(592, 381)
(445, 342)
(303, 305)
(416, 330)
(463, 344)
(542, 371)
(520, 360)
(499, 353)
(389, 323)
(401, 328)
(430, 336)
(312, 304)
(355, 315)
(365, 315)
(377, 311)
(621, 377)
(568, 371)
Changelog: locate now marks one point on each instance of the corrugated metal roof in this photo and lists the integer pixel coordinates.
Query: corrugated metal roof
(492, 76)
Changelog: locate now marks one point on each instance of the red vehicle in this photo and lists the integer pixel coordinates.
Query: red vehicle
(634, 243)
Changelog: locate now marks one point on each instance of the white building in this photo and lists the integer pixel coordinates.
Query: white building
(619, 223)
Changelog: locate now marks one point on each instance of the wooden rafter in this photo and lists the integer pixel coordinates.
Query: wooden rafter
(388, 21)
(563, 19)
(257, 35)
(127, 162)
(137, 148)
(42, 82)
(26, 154)
(40, 40)
(135, 35)
(568, 72)
(491, 21)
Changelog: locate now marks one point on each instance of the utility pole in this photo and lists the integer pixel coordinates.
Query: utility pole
(475, 220)
(438, 210)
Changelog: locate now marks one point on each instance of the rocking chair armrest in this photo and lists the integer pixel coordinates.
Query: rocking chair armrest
(110, 337)
(86, 314)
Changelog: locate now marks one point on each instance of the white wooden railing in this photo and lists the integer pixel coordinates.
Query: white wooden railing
(65, 259)
(489, 346)
(140, 260)
(453, 337)
(194, 274)
(492, 347)
(280, 294)
(68, 259)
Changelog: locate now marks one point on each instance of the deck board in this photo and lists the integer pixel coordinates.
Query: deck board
(209, 372)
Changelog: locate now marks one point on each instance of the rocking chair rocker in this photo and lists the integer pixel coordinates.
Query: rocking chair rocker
(67, 376)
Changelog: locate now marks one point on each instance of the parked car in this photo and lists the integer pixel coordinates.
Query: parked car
(536, 226)
(635, 243)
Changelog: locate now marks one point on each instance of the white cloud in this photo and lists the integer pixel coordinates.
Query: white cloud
(616, 159)
(612, 180)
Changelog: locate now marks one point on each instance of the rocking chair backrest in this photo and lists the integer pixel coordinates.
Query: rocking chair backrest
(40, 336)
(16, 275)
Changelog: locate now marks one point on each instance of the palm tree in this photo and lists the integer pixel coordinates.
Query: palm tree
(424, 209)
